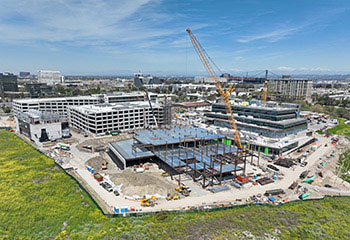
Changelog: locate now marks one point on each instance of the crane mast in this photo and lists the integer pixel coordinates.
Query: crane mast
(264, 95)
(224, 94)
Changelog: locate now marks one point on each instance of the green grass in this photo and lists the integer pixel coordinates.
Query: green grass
(39, 201)
(341, 128)
(344, 163)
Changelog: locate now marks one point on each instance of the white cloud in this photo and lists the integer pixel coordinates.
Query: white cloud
(99, 23)
(273, 36)
(285, 68)
(315, 69)
(304, 69)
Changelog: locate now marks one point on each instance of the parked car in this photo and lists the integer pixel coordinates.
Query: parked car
(303, 164)
(116, 192)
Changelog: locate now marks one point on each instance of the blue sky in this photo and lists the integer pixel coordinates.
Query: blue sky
(125, 36)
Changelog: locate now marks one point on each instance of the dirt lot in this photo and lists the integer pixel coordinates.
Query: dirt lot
(96, 163)
(147, 183)
(102, 141)
(9, 122)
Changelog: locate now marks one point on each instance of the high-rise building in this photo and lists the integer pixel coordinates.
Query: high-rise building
(49, 77)
(291, 87)
(8, 83)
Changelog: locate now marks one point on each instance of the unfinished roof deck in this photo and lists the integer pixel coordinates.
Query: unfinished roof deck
(125, 149)
(174, 135)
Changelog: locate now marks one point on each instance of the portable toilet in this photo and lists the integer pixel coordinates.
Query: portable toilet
(116, 210)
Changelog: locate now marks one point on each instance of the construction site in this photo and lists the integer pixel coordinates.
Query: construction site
(204, 156)
(133, 157)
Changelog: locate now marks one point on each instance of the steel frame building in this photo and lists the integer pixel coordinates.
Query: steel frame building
(197, 152)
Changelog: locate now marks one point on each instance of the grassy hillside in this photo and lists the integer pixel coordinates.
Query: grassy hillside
(39, 201)
(341, 128)
(344, 164)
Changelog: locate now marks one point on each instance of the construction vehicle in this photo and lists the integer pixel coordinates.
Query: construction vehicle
(204, 57)
(149, 202)
(185, 193)
(104, 165)
(165, 174)
(169, 197)
(172, 197)
(183, 189)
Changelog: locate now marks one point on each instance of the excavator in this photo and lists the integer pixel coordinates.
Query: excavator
(204, 57)
(149, 202)
(104, 165)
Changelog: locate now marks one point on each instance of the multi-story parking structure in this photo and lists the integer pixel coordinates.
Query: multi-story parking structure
(98, 119)
(57, 105)
(60, 104)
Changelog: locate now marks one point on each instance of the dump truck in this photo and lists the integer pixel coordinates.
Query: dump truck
(98, 177)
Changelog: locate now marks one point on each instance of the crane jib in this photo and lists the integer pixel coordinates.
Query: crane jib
(204, 57)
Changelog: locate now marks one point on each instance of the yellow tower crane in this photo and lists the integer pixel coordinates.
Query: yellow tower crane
(204, 57)
(264, 95)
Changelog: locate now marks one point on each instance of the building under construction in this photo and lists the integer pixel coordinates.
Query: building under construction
(203, 155)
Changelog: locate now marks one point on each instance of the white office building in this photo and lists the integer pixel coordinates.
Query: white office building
(49, 77)
(40, 127)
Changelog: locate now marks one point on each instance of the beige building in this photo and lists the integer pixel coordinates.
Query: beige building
(292, 87)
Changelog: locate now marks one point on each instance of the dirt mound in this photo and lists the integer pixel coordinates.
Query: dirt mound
(142, 183)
